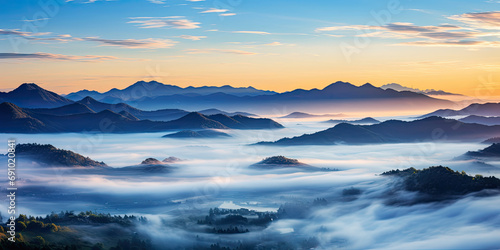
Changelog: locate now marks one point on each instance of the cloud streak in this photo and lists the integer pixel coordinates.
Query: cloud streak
(149, 43)
(224, 51)
(214, 10)
(477, 25)
(21, 33)
(49, 56)
(194, 38)
(174, 22)
(251, 32)
(485, 44)
(481, 20)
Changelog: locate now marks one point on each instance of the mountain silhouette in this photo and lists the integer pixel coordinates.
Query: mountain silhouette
(143, 89)
(280, 160)
(100, 106)
(345, 95)
(394, 131)
(14, 119)
(486, 109)
(49, 155)
(440, 183)
(18, 120)
(491, 140)
(195, 120)
(70, 109)
(366, 120)
(491, 152)
(155, 115)
(30, 95)
(197, 134)
(151, 161)
(481, 120)
(399, 87)
(217, 111)
(244, 122)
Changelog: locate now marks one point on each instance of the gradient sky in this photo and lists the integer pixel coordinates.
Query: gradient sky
(279, 45)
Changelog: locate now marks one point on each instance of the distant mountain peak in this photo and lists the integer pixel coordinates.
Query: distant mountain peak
(27, 87)
(338, 83)
(367, 85)
(399, 87)
(30, 95)
(88, 99)
(142, 82)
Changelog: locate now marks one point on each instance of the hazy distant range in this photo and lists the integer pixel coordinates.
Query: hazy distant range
(336, 97)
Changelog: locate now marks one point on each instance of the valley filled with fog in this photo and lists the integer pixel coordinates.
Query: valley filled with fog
(344, 203)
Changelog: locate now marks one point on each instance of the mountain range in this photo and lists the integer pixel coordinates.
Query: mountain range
(15, 119)
(41, 101)
(366, 120)
(208, 133)
(394, 131)
(337, 97)
(170, 100)
(400, 87)
(491, 152)
(485, 109)
(494, 120)
(143, 89)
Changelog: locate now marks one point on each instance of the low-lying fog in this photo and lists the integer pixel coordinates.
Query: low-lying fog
(216, 173)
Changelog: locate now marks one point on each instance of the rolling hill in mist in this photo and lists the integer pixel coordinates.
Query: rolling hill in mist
(18, 120)
(394, 131)
(485, 109)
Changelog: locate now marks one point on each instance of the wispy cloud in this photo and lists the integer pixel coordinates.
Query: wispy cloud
(481, 20)
(251, 32)
(478, 25)
(149, 43)
(215, 10)
(420, 10)
(279, 44)
(194, 38)
(485, 44)
(49, 56)
(225, 51)
(175, 22)
(227, 14)
(157, 1)
(274, 44)
(21, 33)
(347, 27)
(35, 20)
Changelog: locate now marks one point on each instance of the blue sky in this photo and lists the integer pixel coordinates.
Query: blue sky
(277, 45)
